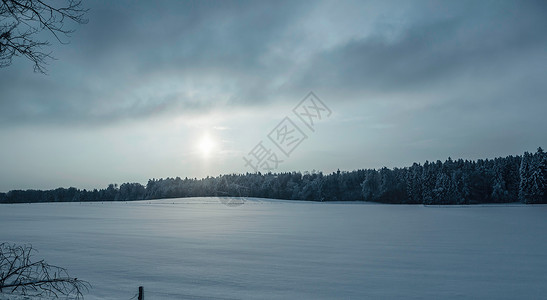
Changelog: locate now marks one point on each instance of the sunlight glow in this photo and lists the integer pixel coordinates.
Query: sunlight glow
(206, 145)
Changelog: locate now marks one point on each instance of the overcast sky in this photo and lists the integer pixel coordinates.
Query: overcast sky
(170, 88)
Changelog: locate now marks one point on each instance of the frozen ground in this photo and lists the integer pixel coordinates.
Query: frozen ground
(202, 249)
(8, 296)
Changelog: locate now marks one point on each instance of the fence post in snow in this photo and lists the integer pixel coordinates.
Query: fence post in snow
(141, 293)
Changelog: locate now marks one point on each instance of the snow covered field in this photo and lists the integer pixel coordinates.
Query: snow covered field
(200, 248)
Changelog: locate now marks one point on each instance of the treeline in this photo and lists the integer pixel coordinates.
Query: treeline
(499, 180)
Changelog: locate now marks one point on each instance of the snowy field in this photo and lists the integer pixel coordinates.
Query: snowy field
(200, 248)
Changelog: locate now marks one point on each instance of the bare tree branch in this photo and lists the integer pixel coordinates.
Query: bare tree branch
(18, 273)
(22, 20)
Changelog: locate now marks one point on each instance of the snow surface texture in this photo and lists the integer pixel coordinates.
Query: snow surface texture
(8, 296)
(199, 248)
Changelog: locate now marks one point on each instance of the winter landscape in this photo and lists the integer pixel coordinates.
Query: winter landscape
(199, 248)
(348, 149)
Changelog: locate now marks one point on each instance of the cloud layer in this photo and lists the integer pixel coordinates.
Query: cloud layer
(136, 60)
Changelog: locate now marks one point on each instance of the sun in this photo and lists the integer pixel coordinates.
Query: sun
(206, 145)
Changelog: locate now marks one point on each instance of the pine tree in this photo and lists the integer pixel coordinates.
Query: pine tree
(371, 186)
(537, 178)
(525, 178)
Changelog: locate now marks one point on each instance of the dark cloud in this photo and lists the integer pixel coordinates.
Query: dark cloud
(128, 46)
(136, 60)
(480, 42)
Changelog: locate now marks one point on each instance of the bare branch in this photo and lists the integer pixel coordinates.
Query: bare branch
(22, 20)
(19, 273)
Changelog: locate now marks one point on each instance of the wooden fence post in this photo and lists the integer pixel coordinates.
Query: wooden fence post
(141, 293)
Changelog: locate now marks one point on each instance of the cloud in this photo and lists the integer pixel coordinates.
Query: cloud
(434, 53)
(142, 60)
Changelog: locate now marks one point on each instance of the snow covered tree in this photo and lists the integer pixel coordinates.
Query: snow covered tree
(429, 179)
(533, 178)
(525, 187)
(414, 184)
(371, 186)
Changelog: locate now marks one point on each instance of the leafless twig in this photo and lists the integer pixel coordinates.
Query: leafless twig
(18, 273)
(22, 20)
